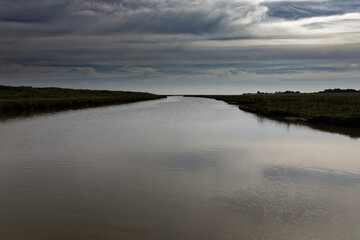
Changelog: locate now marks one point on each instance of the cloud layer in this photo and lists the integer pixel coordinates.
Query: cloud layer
(181, 46)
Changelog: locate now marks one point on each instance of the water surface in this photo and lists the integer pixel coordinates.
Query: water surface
(176, 168)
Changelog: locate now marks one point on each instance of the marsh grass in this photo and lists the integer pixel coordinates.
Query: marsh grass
(332, 108)
(25, 99)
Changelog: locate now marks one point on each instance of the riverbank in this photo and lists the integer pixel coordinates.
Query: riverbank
(20, 100)
(341, 109)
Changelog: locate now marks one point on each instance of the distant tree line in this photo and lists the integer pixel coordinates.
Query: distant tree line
(338, 90)
(335, 90)
(287, 92)
(264, 93)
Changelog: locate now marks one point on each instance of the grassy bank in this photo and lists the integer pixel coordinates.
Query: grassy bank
(14, 100)
(341, 109)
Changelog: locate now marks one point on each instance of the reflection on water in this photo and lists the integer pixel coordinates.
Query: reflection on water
(317, 204)
(347, 131)
(176, 168)
(295, 174)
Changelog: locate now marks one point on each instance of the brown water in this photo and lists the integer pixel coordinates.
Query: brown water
(177, 168)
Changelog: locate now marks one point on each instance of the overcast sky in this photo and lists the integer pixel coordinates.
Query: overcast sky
(188, 46)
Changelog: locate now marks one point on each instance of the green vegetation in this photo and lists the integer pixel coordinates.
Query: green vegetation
(339, 108)
(28, 99)
(332, 106)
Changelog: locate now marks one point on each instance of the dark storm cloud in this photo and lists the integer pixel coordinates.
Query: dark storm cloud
(114, 17)
(223, 19)
(174, 42)
(296, 10)
(172, 22)
(31, 11)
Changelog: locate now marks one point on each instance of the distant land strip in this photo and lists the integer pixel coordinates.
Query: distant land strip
(332, 106)
(20, 100)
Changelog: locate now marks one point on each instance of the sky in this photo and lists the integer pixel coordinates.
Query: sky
(181, 47)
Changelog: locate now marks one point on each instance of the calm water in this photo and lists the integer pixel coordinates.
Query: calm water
(177, 168)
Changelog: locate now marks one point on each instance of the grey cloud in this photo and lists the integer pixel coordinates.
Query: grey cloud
(296, 10)
(168, 39)
(87, 51)
(112, 17)
(170, 22)
(31, 11)
(170, 17)
(220, 19)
